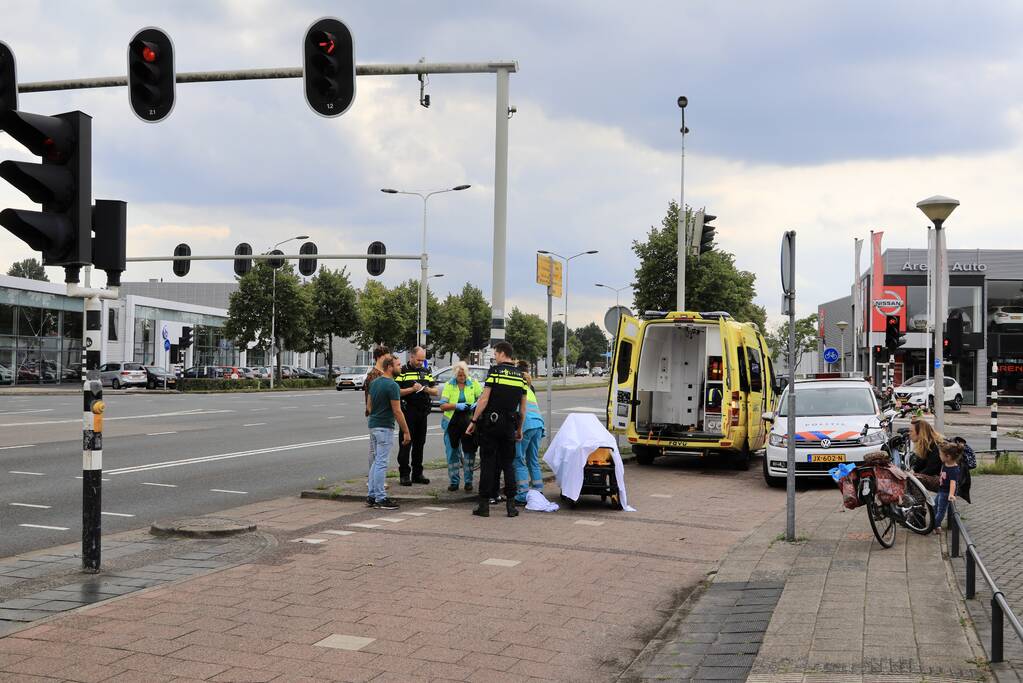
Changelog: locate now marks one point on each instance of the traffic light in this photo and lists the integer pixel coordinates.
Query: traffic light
(110, 232)
(8, 80)
(307, 266)
(328, 67)
(893, 337)
(706, 232)
(151, 74)
(375, 266)
(181, 268)
(62, 231)
(242, 265)
(185, 340)
(276, 262)
(954, 335)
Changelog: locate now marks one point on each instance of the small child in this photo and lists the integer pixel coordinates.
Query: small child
(948, 481)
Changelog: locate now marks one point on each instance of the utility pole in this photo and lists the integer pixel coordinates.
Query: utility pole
(683, 223)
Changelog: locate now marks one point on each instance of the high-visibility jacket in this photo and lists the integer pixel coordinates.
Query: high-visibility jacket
(534, 418)
(419, 402)
(450, 393)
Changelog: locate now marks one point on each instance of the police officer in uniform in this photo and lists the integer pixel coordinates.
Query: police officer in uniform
(498, 421)
(417, 386)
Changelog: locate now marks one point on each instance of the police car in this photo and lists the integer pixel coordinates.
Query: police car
(838, 420)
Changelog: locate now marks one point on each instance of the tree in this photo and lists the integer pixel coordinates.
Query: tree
(28, 268)
(806, 338)
(713, 283)
(557, 338)
(407, 294)
(450, 327)
(592, 344)
(479, 320)
(383, 317)
(334, 310)
(527, 333)
(250, 311)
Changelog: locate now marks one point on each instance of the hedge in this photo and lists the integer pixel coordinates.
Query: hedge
(202, 384)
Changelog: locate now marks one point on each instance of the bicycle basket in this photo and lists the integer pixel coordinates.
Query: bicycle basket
(849, 486)
(890, 489)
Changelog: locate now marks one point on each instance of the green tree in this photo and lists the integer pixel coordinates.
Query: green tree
(450, 327)
(250, 311)
(713, 283)
(592, 344)
(407, 294)
(334, 310)
(28, 268)
(383, 317)
(479, 320)
(575, 347)
(557, 338)
(806, 338)
(527, 333)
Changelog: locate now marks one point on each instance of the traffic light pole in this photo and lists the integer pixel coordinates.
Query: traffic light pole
(939, 318)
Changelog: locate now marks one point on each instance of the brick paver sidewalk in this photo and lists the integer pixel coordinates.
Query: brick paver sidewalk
(425, 593)
(993, 521)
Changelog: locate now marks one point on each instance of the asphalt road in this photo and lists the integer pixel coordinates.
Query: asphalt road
(167, 455)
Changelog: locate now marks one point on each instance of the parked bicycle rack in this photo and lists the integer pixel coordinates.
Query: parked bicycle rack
(999, 606)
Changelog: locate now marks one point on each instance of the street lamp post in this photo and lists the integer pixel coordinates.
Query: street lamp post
(938, 209)
(421, 332)
(683, 225)
(616, 290)
(564, 379)
(273, 312)
(841, 325)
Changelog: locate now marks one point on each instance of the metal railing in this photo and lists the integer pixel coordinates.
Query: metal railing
(999, 606)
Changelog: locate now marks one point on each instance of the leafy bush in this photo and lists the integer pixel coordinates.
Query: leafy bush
(202, 384)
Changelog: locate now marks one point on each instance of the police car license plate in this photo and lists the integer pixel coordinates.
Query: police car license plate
(827, 457)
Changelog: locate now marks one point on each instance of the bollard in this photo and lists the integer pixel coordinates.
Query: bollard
(92, 438)
(997, 655)
(994, 407)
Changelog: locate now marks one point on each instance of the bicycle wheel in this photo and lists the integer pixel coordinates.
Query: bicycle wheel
(919, 515)
(884, 527)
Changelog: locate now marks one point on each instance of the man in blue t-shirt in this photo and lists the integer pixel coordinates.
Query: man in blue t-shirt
(384, 410)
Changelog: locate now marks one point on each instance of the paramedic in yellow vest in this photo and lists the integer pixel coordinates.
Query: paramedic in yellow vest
(458, 400)
(528, 474)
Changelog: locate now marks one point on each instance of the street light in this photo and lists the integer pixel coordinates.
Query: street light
(938, 209)
(616, 290)
(841, 325)
(421, 332)
(565, 288)
(273, 312)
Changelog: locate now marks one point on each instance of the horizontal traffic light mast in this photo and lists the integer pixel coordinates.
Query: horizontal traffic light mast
(270, 257)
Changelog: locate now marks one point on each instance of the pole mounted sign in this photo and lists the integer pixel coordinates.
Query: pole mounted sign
(831, 355)
(548, 273)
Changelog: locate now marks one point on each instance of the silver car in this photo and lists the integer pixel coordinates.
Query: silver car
(119, 375)
(352, 377)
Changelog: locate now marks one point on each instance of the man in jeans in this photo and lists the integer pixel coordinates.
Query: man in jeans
(385, 408)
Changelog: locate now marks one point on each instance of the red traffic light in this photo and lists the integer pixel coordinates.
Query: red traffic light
(148, 53)
(325, 41)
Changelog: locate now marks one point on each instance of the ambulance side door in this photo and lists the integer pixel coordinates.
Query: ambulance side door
(621, 387)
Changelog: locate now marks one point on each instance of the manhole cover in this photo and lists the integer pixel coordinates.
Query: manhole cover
(201, 527)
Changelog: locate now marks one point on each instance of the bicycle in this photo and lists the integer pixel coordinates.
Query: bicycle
(912, 510)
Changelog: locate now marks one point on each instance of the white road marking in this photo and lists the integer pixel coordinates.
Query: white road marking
(588, 522)
(240, 493)
(42, 526)
(22, 412)
(116, 514)
(101, 478)
(313, 541)
(392, 520)
(153, 483)
(254, 424)
(189, 413)
(660, 495)
(160, 433)
(363, 525)
(7, 448)
(581, 409)
(30, 505)
(433, 509)
(414, 514)
(290, 408)
(495, 562)
(229, 456)
(34, 474)
(338, 532)
(257, 410)
(335, 417)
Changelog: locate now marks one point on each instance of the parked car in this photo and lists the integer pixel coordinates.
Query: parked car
(1006, 319)
(918, 390)
(597, 371)
(119, 375)
(260, 372)
(322, 370)
(478, 372)
(558, 372)
(6, 376)
(351, 377)
(582, 372)
(203, 372)
(158, 378)
(304, 373)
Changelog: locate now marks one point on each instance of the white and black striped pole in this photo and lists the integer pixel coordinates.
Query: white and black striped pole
(994, 406)
(92, 438)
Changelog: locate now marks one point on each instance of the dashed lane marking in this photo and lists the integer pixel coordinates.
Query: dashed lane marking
(22, 412)
(660, 495)
(414, 514)
(101, 478)
(30, 505)
(588, 522)
(254, 424)
(153, 483)
(33, 474)
(160, 433)
(43, 526)
(335, 417)
(180, 413)
(338, 532)
(116, 514)
(311, 541)
(433, 509)
(258, 410)
(364, 525)
(392, 520)
(7, 448)
(240, 493)
(495, 562)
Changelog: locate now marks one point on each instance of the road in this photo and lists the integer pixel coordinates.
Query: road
(168, 455)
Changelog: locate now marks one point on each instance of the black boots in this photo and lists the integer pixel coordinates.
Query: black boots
(510, 507)
(482, 508)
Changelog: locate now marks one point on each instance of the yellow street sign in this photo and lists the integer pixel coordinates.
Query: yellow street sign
(548, 273)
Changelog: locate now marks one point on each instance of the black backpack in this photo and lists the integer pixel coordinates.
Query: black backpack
(969, 457)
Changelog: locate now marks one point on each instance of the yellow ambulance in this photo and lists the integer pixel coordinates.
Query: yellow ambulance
(690, 384)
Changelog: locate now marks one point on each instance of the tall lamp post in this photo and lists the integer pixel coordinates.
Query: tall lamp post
(616, 290)
(421, 332)
(564, 379)
(938, 209)
(273, 312)
(841, 325)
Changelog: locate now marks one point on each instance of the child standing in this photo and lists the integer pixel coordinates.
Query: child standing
(948, 481)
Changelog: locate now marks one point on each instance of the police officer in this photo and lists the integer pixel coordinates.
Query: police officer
(498, 419)
(417, 386)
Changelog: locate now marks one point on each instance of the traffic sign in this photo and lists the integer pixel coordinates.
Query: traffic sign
(166, 344)
(937, 363)
(831, 355)
(548, 273)
(788, 247)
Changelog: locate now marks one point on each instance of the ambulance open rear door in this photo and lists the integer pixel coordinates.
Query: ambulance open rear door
(624, 368)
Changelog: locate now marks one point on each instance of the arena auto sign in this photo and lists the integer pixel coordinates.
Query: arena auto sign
(956, 267)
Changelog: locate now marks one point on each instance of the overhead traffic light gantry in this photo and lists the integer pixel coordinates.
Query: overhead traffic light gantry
(328, 67)
(307, 266)
(151, 74)
(375, 266)
(706, 232)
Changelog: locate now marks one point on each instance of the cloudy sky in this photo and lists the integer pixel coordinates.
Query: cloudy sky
(829, 119)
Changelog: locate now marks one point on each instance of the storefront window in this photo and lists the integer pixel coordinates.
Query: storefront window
(916, 308)
(7, 318)
(112, 324)
(967, 301)
(1005, 306)
(145, 339)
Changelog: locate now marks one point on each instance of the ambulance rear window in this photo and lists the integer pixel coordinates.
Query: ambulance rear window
(624, 361)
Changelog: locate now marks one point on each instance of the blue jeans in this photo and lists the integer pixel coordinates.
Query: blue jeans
(940, 506)
(458, 461)
(381, 439)
(528, 474)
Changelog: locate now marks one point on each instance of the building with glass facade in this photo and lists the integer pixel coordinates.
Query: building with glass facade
(985, 289)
